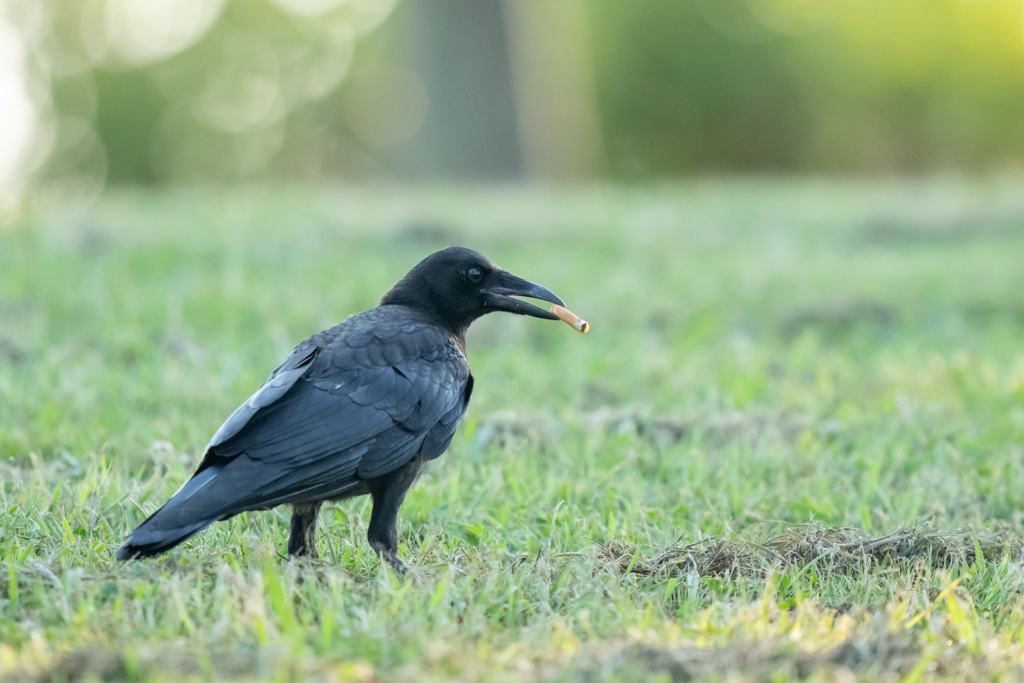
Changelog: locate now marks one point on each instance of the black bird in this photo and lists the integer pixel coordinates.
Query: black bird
(355, 409)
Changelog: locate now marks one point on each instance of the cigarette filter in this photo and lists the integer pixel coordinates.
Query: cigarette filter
(571, 319)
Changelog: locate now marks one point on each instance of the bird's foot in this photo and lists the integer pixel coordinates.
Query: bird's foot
(308, 564)
(302, 540)
(304, 554)
(401, 568)
(394, 559)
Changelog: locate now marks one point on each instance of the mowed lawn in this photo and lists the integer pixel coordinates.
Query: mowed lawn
(791, 447)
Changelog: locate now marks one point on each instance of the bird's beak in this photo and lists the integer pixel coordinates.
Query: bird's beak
(499, 296)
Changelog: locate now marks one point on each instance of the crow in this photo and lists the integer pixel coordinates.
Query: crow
(356, 409)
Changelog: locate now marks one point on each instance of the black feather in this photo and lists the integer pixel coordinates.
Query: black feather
(354, 409)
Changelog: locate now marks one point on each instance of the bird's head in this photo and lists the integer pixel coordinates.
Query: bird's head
(459, 285)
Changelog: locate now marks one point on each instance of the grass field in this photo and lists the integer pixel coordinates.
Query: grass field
(791, 447)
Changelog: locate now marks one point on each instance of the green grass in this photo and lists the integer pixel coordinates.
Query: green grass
(777, 374)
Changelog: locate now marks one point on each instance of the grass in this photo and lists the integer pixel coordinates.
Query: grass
(791, 448)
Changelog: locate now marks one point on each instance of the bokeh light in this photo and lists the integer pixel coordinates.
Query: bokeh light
(143, 31)
(24, 139)
(242, 89)
(154, 91)
(308, 8)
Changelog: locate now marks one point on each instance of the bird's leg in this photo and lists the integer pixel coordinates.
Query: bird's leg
(302, 542)
(388, 492)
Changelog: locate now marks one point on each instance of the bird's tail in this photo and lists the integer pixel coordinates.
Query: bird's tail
(187, 513)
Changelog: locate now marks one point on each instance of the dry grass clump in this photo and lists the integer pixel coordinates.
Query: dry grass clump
(720, 557)
(843, 550)
(828, 550)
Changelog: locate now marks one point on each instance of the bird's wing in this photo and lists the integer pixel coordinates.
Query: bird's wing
(279, 382)
(353, 407)
(353, 402)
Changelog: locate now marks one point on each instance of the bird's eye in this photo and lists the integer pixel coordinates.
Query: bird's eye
(475, 275)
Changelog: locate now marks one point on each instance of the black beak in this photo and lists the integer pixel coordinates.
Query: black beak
(499, 296)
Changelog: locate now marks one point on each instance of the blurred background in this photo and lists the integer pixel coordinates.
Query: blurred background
(95, 93)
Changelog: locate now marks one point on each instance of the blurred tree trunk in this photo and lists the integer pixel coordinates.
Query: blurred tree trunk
(556, 108)
(459, 50)
(510, 90)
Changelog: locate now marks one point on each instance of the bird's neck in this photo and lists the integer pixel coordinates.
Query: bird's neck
(428, 314)
(432, 307)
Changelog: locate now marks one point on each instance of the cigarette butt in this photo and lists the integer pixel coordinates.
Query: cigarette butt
(571, 319)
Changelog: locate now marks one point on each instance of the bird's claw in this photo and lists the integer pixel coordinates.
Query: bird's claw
(398, 564)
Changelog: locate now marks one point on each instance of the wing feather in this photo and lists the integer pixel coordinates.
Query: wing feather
(342, 410)
(283, 379)
(351, 403)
